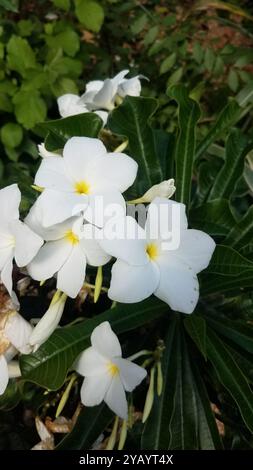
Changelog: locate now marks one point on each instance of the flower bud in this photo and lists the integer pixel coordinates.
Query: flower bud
(164, 189)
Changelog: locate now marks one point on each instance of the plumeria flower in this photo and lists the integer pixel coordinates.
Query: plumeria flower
(70, 105)
(84, 175)
(100, 96)
(144, 264)
(164, 189)
(66, 252)
(17, 240)
(107, 374)
(15, 332)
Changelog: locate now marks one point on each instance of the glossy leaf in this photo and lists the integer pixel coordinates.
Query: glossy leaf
(237, 331)
(60, 130)
(213, 217)
(189, 114)
(228, 262)
(132, 120)
(49, 365)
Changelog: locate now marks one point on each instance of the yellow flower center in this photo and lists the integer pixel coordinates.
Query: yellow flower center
(71, 237)
(82, 187)
(113, 369)
(152, 251)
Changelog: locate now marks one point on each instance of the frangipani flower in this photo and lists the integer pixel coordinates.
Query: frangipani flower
(85, 174)
(107, 374)
(144, 267)
(17, 240)
(100, 96)
(14, 337)
(65, 253)
(164, 189)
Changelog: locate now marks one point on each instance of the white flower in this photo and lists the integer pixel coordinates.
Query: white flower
(84, 174)
(107, 374)
(70, 105)
(44, 153)
(100, 96)
(66, 252)
(15, 332)
(50, 320)
(144, 267)
(17, 240)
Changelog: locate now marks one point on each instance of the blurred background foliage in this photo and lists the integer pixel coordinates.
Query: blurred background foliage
(48, 48)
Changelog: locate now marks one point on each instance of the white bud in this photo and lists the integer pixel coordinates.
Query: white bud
(164, 189)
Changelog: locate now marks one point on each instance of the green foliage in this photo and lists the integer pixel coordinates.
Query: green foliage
(90, 13)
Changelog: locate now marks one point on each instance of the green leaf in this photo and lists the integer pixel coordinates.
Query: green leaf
(233, 80)
(10, 5)
(209, 59)
(60, 130)
(30, 108)
(245, 96)
(228, 262)
(168, 63)
(218, 283)
(224, 121)
(237, 331)
(189, 114)
(131, 119)
(89, 426)
(213, 217)
(63, 4)
(207, 172)
(90, 14)
(21, 57)
(49, 365)
(64, 85)
(151, 35)
(196, 328)
(198, 52)
(231, 377)
(236, 149)
(175, 77)
(181, 418)
(241, 235)
(11, 135)
(139, 24)
(67, 40)
(5, 103)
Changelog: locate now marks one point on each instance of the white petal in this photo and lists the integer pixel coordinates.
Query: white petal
(105, 341)
(119, 78)
(70, 104)
(5, 254)
(53, 175)
(130, 284)
(58, 206)
(10, 198)
(130, 87)
(123, 238)
(18, 332)
(94, 85)
(79, 153)
(49, 260)
(91, 363)
(6, 276)
(91, 248)
(114, 171)
(44, 153)
(4, 374)
(48, 323)
(94, 389)
(103, 115)
(196, 249)
(104, 99)
(27, 243)
(131, 374)
(103, 205)
(163, 216)
(71, 276)
(116, 398)
(178, 285)
(14, 369)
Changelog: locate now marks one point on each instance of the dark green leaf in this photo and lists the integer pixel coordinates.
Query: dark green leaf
(237, 331)
(30, 108)
(236, 150)
(213, 217)
(189, 114)
(225, 119)
(242, 233)
(20, 55)
(231, 377)
(49, 365)
(60, 130)
(228, 262)
(131, 119)
(196, 328)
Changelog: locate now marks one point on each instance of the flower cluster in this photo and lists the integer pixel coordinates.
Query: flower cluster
(100, 96)
(80, 219)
